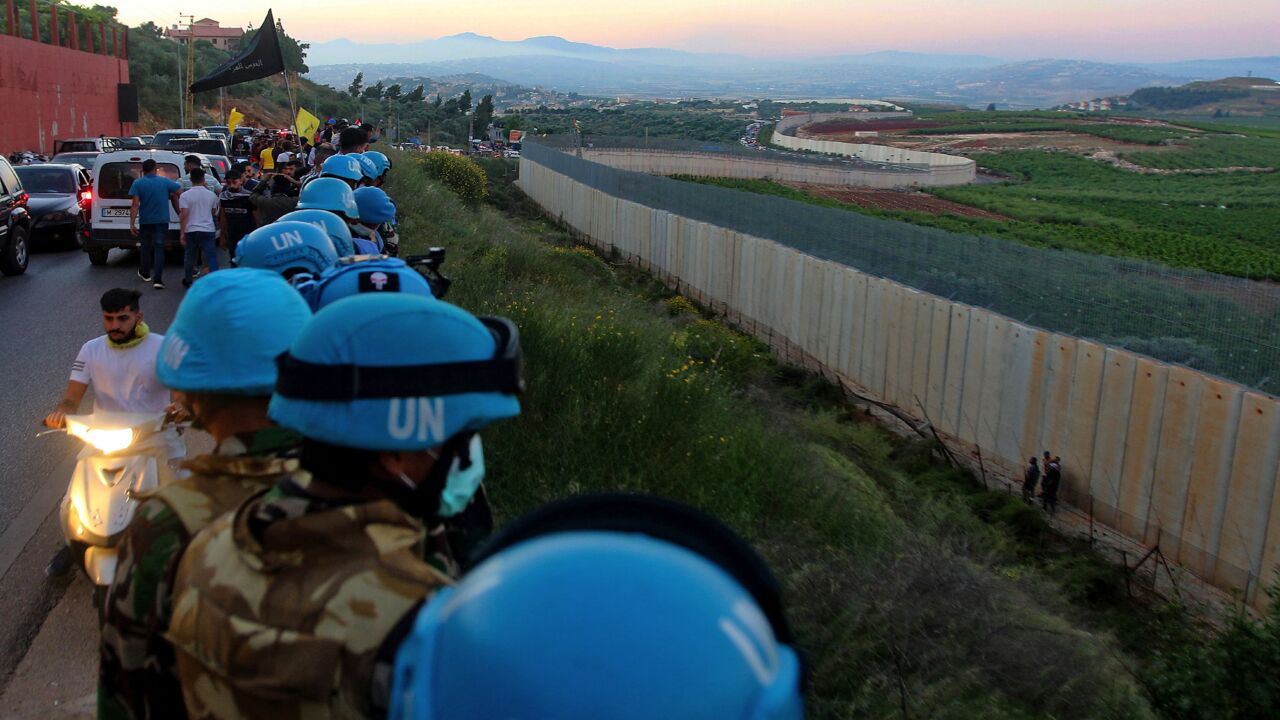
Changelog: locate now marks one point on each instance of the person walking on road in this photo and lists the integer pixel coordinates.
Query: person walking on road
(219, 356)
(152, 195)
(1030, 477)
(1052, 481)
(199, 215)
(239, 216)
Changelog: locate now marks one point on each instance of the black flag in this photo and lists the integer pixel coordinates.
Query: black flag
(260, 58)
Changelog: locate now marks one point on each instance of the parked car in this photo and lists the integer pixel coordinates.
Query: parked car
(164, 137)
(201, 146)
(59, 199)
(112, 178)
(83, 159)
(131, 143)
(218, 131)
(15, 222)
(98, 144)
(147, 139)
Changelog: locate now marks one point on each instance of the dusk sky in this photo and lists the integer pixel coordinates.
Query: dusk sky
(1143, 30)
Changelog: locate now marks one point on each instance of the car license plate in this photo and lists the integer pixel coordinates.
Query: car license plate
(115, 212)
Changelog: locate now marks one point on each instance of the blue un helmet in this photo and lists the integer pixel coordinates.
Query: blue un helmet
(345, 167)
(287, 247)
(397, 371)
(368, 169)
(228, 331)
(381, 163)
(334, 226)
(329, 194)
(383, 274)
(374, 205)
(641, 609)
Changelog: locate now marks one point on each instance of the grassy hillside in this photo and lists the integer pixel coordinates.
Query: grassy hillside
(915, 592)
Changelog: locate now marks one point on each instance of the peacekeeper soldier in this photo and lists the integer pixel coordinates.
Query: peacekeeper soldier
(283, 607)
(288, 248)
(333, 195)
(219, 356)
(331, 224)
(376, 211)
(616, 606)
(381, 164)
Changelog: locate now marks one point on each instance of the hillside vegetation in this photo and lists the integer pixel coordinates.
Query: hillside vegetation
(914, 591)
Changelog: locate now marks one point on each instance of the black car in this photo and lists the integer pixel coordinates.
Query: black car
(59, 201)
(15, 222)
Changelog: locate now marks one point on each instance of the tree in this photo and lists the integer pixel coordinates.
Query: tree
(991, 107)
(415, 97)
(484, 113)
(373, 92)
(464, 102)
(513, 121)
(356, 86)
(392, 93)
(439, 101)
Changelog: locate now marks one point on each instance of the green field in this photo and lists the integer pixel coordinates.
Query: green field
(1227, 223)
(914, 591)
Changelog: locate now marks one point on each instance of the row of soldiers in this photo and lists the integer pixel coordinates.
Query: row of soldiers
(312, 566)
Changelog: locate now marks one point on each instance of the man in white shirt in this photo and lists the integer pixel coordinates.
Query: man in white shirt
(120, 366)
(199, 212)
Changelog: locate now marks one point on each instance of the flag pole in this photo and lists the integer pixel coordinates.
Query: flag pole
(287, 87)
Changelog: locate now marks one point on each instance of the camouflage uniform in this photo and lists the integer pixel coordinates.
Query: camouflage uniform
(282, 608)
(136, 675)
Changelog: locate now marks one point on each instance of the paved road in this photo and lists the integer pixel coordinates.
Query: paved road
(45, 315)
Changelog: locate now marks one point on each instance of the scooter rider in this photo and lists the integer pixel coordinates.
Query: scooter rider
(220, 355)
(282, 607)
(616, 606)
(120, 366)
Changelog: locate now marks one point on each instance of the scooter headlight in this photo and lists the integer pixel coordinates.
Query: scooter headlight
(109, 441)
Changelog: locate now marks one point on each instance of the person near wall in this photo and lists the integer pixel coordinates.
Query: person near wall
(1030, 478)
(1049, 488)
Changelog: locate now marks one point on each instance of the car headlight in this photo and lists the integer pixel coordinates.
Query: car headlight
(58, 215)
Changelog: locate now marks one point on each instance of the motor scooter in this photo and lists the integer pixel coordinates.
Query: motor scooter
(125, 454)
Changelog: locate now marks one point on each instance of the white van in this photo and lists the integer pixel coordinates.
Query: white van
(113, 175)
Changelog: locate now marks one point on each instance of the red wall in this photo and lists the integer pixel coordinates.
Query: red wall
(50, 93)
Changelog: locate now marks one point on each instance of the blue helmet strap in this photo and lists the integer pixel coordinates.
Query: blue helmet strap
(305, 380)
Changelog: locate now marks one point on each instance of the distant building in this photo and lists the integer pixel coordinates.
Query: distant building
(206, 29)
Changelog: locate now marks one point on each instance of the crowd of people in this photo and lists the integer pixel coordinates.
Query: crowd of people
(257, 192)
(335, 555)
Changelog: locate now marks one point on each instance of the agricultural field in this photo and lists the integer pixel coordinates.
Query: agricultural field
(1227, 223)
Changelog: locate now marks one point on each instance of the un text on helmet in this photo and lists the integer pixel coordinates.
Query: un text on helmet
(423, 416)
(286, 240)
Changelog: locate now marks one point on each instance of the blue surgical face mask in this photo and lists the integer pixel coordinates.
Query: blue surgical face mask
(461, 484)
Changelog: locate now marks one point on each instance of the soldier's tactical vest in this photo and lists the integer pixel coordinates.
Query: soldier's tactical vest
(280, 609)
(218, 484)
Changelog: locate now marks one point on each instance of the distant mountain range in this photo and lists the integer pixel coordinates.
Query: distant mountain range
(568, 66)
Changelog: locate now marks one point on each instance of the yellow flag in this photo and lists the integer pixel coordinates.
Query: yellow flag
(233, 120)
(307, 124)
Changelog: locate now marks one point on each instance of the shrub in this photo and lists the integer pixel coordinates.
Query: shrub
(680, 305)
(458, 173)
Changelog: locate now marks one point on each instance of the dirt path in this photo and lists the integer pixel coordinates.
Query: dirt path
(894, 200)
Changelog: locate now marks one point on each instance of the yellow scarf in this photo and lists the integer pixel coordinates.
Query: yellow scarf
(140, 334)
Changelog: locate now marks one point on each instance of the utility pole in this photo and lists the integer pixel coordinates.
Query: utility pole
(182, 95)
(188, 99)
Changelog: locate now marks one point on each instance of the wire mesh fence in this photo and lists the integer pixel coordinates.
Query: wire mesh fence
(1214, 323)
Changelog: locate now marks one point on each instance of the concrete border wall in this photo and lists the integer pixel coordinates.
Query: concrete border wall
(1160, 453)
(947, 169)
(664, 162)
